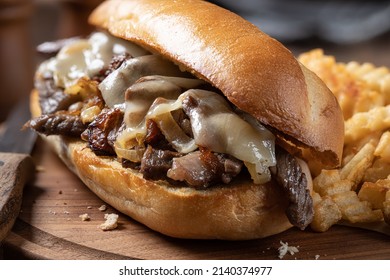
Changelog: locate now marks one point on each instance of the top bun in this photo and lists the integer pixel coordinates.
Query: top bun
(254, 71)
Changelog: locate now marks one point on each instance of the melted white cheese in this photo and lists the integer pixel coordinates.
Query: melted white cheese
(87, 57)
(114, 86)
(214, 124)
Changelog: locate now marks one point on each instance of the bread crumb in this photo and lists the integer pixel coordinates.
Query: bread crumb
(284, 249)
(85, 217)
(317, 257)
(89, 207)
(103, 208)
(110, 223)
(40, 168)
(66, 212)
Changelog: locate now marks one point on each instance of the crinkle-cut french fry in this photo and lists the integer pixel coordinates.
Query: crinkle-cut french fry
(375, 193)
(382, 150)
(354, 210)
(364, 123)
(325, 179)
(351, 149)
(354, 170)
(378, 78)
(345, 199)
(368, 100)
(361, 70)
(326, 213)
(365, 216)
(379, 170)
(337, 187)
(328, 182)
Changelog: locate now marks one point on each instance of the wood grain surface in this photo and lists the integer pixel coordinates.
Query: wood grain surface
(49, 227)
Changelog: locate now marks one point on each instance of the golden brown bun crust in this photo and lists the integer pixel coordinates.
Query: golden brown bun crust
(254, 71)
(236, 212)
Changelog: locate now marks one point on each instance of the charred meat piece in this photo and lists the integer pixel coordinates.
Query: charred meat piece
(288, 173)
(51, 97)
(155, 163)
(102, 132)
(154, 137)
(183, 121)
(60, 123)
(201, 169)
(115, 63)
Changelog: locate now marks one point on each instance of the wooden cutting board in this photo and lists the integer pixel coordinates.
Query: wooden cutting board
(49, 227)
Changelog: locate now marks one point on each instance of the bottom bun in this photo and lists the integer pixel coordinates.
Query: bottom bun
(237, 211)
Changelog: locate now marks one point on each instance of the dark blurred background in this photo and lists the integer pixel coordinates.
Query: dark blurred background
(23, 25)
(350, 30)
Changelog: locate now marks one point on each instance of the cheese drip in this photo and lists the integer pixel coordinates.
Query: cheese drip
(87, 57)
(215, 125)
(114, 86)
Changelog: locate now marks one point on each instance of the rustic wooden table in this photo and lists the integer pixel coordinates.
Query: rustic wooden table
(49, 226)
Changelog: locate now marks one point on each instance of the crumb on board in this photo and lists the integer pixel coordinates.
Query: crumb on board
(89, 207)
(103, 208)
(85, 217)
(284, 249)
(317, 257)
(110, 223)
(40, 168)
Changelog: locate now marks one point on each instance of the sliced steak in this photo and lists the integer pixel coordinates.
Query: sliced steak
(288, 173)
(51, 97)
(155, 163)
(102, 132)
(58, 124)
(155, 138)
(201, 169)
(115, 63)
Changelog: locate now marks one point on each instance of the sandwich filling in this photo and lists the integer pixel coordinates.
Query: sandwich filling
(153, 117)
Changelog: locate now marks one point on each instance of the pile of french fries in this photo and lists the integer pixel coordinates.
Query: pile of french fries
(357, 192)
